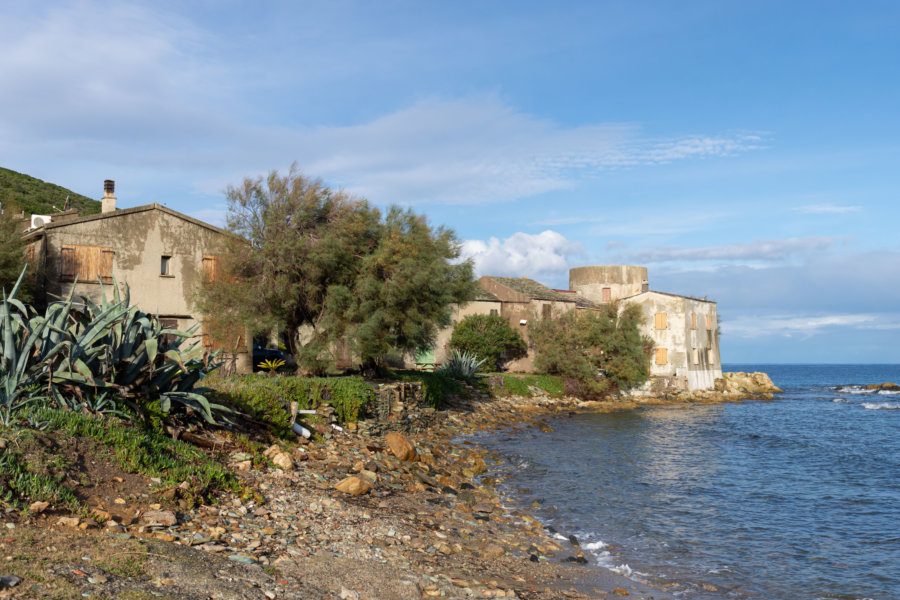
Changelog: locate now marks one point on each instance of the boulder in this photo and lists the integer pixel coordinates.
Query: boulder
(401, 447)
(353, 485)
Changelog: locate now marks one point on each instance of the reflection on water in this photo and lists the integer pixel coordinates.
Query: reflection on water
(796, 498)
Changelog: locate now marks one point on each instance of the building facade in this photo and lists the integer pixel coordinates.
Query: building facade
(160, 254)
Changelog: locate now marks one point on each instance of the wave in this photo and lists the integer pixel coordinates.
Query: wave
(880, 406)
(855, 389)
(889, 392)
(840, 400)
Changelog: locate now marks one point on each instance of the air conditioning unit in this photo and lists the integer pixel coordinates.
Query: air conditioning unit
(39, 221)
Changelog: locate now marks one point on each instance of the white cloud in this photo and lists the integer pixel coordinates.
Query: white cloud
(768, 250)
(544, 256)
(143, 89)
(827, 209)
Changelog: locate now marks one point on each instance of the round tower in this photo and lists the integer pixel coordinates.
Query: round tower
(605, 283)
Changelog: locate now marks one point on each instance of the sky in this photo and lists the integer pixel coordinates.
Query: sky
(748, 152)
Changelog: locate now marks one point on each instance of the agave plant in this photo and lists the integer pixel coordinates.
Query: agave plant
(462, 365)
(82, 350)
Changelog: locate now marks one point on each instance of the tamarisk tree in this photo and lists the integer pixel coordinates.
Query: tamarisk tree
(325, 267)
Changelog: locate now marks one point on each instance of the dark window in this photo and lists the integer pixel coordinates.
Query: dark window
(545, 310)
(165, 265)
(168, 338)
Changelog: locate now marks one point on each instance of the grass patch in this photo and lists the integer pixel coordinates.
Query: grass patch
(131, 565)
(520, 385)
(134, 450)
(268, 399)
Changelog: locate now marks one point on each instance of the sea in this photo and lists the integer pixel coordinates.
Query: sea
(793, 498)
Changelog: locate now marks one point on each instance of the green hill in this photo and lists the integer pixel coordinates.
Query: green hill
(39, 197)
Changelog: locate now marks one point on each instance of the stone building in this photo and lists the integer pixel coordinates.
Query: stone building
(684, 330)
(162, 255)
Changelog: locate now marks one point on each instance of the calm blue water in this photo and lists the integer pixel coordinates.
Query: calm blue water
(794, 498)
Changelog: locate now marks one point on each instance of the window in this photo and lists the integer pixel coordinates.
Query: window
(710, 356)
(86, 263)
(607, 294)
(660, 321)
(493, 311)
(662, 356)
(545, 311)
(210, 268)
(709, 321)
(166, 323)
(695, 356)
(165, 266)
(693, 320)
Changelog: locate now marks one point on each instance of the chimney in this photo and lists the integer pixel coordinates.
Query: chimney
(109, 199)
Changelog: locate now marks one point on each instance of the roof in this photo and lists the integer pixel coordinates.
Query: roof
(122, 213)
(695, 299)
(485, 296)
(538, 291)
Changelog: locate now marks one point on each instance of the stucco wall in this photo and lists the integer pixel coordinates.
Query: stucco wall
(139, 240)
(622, 280)
(680, 338)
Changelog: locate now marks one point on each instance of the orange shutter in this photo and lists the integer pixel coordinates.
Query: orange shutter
(662, 356)
(693, 320)
(210, 268)
(695, 356)
(710, 356)
(709, 322)
(607, 294)
(660, 321)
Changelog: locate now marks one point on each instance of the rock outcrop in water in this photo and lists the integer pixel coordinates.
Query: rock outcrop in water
(729, 388)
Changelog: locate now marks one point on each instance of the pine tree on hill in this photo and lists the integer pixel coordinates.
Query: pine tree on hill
(34, 196)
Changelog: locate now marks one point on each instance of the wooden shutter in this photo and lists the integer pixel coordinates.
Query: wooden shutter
(223, 336)
(693, 320)
(709, 320)
(710, 356)
(545, 310)
(607, 294)
(660, 321)
(662, 356)
(210, 268)
(105, 264)
(695, 356)
(67, 265)
(87, 263)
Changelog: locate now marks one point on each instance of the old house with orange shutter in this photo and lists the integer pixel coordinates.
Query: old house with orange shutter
(162, 255)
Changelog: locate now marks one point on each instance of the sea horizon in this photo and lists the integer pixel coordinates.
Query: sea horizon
(789, 498)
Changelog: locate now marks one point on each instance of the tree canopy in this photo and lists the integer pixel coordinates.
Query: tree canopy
(489, 337)
(12, 254)
(603, 350)
(325, 267)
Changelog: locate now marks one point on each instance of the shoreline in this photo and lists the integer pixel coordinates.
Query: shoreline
(434, 527)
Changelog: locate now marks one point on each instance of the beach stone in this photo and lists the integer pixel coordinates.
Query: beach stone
(68, 521)
(401, 447)
(38, 507)
(165, 518)
(492, 551)
(355, 486)
(620, 591)
(283, 461)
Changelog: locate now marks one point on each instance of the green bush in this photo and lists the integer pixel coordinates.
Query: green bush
(602, 351)
(436, 387)
(489, 337)
(268, 399)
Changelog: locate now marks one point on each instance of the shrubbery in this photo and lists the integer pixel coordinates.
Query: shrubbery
(490, 338)
(269, 398)
(601, 351)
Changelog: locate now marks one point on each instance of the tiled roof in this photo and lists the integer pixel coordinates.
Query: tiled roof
(485, 296)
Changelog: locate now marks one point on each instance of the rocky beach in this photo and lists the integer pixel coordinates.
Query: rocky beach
(365, 514)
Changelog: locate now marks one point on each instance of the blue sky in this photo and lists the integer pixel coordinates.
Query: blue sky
(744, 151)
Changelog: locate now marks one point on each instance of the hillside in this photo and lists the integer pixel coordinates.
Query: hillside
(39, 197)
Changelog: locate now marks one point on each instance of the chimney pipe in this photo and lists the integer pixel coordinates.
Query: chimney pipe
(109, 199)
